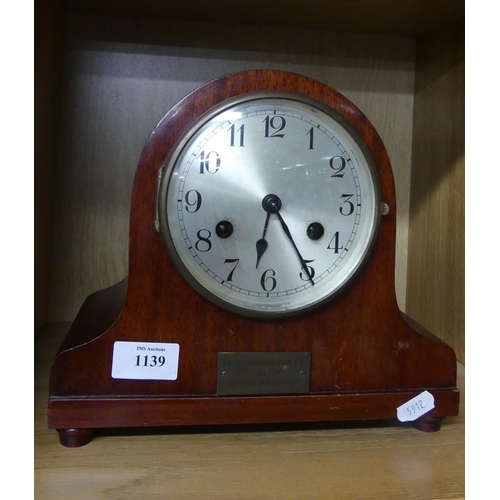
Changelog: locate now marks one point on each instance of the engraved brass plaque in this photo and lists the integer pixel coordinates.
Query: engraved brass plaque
(250, 373)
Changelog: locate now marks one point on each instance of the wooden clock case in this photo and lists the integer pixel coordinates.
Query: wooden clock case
(366, 358)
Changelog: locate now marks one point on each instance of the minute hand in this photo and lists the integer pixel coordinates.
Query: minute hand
(287, 232)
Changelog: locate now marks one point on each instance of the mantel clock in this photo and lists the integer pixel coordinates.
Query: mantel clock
(261, 276)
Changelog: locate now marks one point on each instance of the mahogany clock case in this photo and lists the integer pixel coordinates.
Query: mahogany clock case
(366, 358)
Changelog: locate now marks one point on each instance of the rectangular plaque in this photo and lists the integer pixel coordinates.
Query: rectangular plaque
(248, 373)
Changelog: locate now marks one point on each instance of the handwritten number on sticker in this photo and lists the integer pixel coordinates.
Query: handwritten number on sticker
(416, 407)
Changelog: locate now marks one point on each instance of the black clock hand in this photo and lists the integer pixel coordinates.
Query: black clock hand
(272, 205)
(261, 245)
(287, 232)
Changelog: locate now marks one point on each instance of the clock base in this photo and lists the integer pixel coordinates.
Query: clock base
(86, 414)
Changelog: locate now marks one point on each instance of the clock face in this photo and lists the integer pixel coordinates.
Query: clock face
(269, 204)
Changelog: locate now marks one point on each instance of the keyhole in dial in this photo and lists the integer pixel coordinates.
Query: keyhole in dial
(315, 231)
(224, 229)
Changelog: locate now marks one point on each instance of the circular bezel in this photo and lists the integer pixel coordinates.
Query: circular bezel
(168, 167)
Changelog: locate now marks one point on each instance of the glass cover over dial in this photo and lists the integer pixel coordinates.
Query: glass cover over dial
(269, 204)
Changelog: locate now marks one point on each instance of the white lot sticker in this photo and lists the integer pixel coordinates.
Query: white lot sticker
(145, 361)
(416, 407)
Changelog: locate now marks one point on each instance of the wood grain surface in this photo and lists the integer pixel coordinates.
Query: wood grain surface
(436, 255)
(123, 74)
(409, 18)
(284, 462)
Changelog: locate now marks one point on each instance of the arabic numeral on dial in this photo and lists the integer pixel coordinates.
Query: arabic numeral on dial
(241, 132)
(311, 138)
(193, 201)
(348, 207)
(231, 261)
(303, 275)
(268, 281)
(203, 244)
(276, 123)
(209, 162)
(334, 243)
(337, 164)
(151, 361)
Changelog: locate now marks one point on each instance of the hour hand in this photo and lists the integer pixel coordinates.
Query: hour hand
(261, 244)
(271, 204)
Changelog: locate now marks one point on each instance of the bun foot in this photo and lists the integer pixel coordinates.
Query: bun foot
(428, 423)
(73, 438)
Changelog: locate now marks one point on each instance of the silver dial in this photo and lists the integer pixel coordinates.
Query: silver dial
(269, 204)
